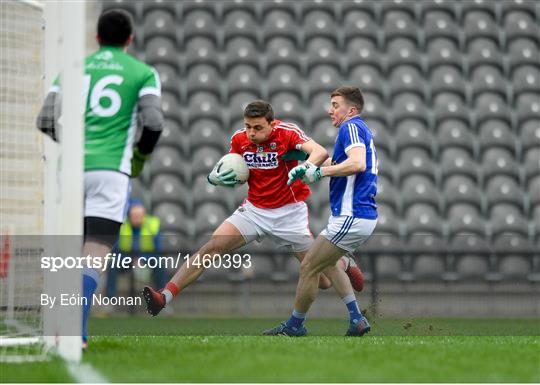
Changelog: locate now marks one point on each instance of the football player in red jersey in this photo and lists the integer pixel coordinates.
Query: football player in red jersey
(272, 208)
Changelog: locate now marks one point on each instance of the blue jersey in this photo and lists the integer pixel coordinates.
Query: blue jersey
(354, 195)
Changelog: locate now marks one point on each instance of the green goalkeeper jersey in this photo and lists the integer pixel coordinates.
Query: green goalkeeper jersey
(113, 83)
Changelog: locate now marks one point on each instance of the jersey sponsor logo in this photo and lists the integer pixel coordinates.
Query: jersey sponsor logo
(261, 160)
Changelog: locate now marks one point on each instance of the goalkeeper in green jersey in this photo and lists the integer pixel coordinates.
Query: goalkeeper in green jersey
(119, 90)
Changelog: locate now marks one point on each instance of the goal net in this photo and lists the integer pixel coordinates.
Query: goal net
(34, 175)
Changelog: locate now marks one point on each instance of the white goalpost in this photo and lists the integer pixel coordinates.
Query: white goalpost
(41, 190)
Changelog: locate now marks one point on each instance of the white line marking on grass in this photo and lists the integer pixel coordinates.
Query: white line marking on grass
(85, 373)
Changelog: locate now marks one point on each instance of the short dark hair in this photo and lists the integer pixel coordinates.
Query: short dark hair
(114, 27)
(258, 109)
(353, 95)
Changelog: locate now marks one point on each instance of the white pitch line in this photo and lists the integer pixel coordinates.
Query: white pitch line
(85, 373)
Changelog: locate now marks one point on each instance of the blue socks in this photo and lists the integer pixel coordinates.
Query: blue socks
(354, 311)
(90, 284)
(296, 320)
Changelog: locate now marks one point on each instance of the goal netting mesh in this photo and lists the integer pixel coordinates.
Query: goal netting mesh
(21, 180)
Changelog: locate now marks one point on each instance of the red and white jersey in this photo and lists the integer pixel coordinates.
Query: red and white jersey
(268, 173)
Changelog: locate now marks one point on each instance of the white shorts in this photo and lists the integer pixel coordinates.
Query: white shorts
(286, 226)
(106, 194)
(348, 232)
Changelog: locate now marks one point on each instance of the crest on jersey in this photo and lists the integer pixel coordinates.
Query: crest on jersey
(273, 145)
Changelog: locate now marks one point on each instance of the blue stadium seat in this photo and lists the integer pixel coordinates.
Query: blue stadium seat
(458, 189)
(358, 23)
(497, 161)
(242, 51)
(457, 161)
(482, 51)
(496, 134)
(201, 50)
(455, 133)
(168, 188)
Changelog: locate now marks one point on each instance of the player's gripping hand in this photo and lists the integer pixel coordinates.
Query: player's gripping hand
(294, 155)
(298, 172)
(137, 162)
(225, 178)
(313, 174)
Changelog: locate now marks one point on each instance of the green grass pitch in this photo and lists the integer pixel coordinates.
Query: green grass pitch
(231, 350)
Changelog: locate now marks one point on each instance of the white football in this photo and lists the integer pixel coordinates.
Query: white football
(239, 166)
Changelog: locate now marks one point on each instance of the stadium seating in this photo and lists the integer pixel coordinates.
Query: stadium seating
(452, 95)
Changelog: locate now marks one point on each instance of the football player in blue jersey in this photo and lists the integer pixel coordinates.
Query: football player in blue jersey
(353, 186)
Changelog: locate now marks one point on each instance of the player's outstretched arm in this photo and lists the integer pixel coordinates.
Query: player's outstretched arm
(317, 156)
(355, 163)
